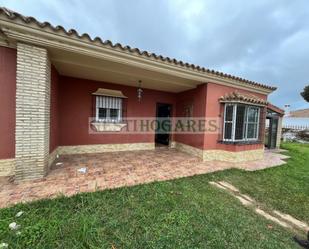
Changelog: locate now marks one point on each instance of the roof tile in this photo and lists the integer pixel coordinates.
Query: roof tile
(14, 15)
(243, 98)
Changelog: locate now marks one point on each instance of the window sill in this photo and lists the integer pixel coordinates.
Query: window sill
(240, 142)
(108, 126)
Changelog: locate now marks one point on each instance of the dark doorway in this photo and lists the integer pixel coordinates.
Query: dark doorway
(162, 137)
(271, 132)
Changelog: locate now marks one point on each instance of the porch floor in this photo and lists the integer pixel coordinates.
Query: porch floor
(117, 169)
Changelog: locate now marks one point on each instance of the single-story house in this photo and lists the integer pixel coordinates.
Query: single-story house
(55, 84)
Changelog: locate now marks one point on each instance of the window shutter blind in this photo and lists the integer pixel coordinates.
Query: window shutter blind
(109, 102)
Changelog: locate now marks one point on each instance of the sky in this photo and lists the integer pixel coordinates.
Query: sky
(263, 40)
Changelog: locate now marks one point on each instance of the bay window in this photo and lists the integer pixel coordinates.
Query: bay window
(241, 122)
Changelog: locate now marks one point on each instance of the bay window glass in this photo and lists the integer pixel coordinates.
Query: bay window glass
(241, 122)
(252, 122)
(228, 122)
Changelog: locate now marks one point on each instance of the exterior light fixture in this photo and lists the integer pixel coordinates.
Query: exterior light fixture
(139, 91)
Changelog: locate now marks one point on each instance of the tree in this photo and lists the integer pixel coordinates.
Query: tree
(305, 93)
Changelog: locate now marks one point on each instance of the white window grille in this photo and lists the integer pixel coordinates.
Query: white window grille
(108, 109)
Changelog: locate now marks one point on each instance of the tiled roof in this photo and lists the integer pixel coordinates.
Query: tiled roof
(107, 43)
(274, 108)
(242, 98)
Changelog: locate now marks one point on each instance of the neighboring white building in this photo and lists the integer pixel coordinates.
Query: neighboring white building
(296, 118)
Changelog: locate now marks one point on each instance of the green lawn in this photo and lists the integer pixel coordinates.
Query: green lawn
(285, 188)
(184, 213)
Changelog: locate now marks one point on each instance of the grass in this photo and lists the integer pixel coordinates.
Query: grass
(285, 188)
(183, 213)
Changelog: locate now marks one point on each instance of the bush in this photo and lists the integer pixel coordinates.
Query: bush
(305, 93)
(303, 135)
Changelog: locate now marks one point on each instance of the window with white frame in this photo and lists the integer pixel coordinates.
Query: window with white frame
(241, 122)
(108, 109)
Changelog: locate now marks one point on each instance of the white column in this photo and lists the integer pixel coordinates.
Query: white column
(279, 132)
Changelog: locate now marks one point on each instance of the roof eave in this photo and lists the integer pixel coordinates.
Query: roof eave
(17, 30)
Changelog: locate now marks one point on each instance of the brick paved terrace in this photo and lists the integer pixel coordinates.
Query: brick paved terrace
(117, 169)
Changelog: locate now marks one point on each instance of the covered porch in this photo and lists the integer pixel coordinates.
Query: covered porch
(63, 83)
(74, 80)
(73, 174)
(274, 118)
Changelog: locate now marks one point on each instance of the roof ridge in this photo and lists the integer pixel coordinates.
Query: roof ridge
(12, 15)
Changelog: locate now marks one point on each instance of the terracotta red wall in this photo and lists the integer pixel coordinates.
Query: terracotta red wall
(76, 106)
(71, 106)
(196, 97)
(215, 110)
(54, 110)
(7, 102)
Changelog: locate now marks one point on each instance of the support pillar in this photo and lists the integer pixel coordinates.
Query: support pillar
(32, 112)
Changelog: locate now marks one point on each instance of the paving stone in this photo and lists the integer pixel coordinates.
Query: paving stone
(116, 169)
(272, 218)
(295, 222)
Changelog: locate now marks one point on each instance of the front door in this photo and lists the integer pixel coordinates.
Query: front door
(272, 133)
(163, 124)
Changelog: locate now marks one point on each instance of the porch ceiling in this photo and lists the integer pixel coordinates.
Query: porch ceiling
(89, 67)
